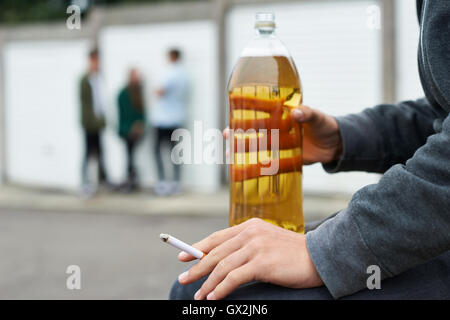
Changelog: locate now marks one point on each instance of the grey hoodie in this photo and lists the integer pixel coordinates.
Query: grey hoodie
(404, 220)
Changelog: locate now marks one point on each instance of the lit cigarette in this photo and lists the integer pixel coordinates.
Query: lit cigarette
(181, 245)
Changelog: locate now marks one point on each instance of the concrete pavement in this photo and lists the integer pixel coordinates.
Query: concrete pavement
(146, 203)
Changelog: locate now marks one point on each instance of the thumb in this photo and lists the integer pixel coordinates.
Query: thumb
(302, 114)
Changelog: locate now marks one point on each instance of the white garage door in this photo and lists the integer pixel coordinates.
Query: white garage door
(42, 113)
(338, 58)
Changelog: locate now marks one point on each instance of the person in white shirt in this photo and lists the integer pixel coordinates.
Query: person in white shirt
(168, 115)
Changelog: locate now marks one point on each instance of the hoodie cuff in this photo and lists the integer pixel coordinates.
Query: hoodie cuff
(361, 149)
(340, 255)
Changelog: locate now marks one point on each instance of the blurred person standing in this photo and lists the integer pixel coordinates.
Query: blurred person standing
(92, 98)
(169, 115)
(131, 122)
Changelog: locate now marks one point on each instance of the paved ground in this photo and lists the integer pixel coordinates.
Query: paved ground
(145, 203)
(113, 238)
(120, 256)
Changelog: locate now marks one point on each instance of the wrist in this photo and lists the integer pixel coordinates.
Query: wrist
(337, 149)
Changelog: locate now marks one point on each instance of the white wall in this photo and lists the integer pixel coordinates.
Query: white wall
(41, 102)
(337, 56)
(145, 47)
(408, 81)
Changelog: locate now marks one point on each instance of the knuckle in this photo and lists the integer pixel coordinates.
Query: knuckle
(254, 246)
(212, 255)
(214, 236)
(232, 278)
(254, 221)
(252, 231)
(221, 266)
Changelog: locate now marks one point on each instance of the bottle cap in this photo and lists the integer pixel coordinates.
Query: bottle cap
(265, 20)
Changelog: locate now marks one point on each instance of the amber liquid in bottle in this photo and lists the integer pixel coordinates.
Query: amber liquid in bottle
(261, 92)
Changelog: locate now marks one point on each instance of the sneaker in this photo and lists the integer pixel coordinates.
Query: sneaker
(88, 192)
(175, 188)
(162, 188)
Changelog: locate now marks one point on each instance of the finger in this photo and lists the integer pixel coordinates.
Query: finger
(185, 257)
(222, 269)
(210, 242)
(302, 114)
(215, 239)
(218, 237)
(226, 132)
(208, 263)
(234, 279)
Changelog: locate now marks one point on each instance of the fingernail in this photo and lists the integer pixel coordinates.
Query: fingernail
(298, 114)
(197, 295)
(183, 255)
(211, 296)
(183, 277)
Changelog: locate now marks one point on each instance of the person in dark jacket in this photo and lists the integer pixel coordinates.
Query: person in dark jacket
(92, 98)
(131, 122)
(397, 230)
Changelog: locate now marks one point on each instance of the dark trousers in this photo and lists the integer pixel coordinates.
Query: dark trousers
(430, 280)
(93, 148)
(130, 146)
(163, 136)
(427, 281)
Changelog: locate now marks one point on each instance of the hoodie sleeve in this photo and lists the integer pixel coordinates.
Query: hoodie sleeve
(399, 223)
(379, 137)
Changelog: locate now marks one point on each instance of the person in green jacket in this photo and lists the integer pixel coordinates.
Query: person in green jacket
(131, 121)
(93, 107)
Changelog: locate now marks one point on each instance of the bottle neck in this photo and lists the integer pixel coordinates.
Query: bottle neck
(265, 31)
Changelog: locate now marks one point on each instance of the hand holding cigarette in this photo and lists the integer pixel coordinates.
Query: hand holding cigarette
(253, 250)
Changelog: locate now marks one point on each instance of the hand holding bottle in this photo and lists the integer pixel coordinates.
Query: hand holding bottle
(321, 138)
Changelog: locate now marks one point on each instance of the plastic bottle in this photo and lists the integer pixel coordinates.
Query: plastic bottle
(265, 143)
